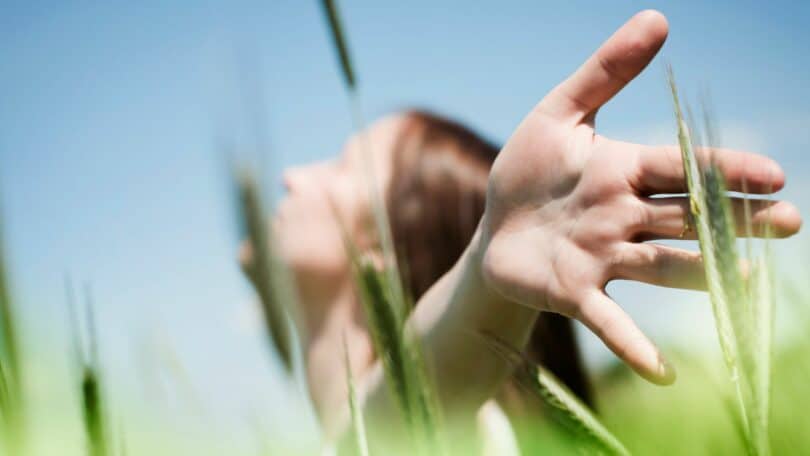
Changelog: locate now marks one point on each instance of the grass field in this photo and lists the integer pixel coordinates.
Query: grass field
(747, 400)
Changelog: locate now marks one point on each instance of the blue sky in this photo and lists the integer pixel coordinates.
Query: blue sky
(112, 112)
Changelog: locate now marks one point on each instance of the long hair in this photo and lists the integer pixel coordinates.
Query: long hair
(435, 200)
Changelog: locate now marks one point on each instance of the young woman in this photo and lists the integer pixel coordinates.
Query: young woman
(435, 173)
(490, 240)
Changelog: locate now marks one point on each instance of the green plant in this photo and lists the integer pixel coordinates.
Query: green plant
(86, 356)
(400, 354)
(742, 307)
(272, 282)
(356, 410)
(568, 411)
(384, 300)
(11, 380)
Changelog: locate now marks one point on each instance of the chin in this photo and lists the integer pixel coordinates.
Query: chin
(314, 263)
(311, 250)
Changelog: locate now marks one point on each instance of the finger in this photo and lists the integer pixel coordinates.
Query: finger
(660, 170)
(620, 59)
(661, 265)
(666, 218)
(618, 331)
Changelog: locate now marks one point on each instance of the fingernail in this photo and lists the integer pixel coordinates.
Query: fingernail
(776, 170)
(666, 371)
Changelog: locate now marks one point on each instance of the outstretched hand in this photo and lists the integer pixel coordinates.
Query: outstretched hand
(568, 210)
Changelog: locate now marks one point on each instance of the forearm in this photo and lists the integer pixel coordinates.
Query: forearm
(450, 320)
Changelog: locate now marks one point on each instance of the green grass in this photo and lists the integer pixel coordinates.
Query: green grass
(271, 281)
(399, 350)
(95, 417)
(12, 406)
(355, 408)
(575, 418)
(381, 291)
(752, 401)
(743, 308)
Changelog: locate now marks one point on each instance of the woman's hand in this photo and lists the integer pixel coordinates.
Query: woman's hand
(567, 209)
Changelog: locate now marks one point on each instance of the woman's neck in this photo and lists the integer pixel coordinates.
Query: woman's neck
(330, 322)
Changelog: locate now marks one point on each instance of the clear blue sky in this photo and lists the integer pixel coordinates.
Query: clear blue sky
(111, 114)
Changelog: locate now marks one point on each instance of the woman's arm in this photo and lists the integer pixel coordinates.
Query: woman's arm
(451, 318)
(566, 212)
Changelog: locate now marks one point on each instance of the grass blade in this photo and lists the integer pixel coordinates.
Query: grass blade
(567, 410)
(742, 311)
(762, 308)
(399, 351)
(5, 397)
(93, 414)
(375, 195)
(339, 40)
(90, 390)
(266, 270)
(11, 391)
(700, 221)
(358, 423)
(384, 299)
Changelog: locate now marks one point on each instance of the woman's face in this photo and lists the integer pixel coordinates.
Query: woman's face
(305, 222)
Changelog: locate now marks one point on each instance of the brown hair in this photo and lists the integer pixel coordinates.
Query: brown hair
(435, 201)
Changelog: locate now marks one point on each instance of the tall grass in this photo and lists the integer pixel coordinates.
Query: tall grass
(742, 307)
(355, 408)
(12, 422)
(742, 303)
(86, 356)
(398, 350)
(381, 291)
(8, 331)
(5, 395)
(270, 278)
(567, 410)
(382, 225)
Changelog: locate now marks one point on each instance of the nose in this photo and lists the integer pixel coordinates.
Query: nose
(295, 177)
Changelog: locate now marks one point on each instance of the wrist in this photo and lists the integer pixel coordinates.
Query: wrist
(490, 311)
(472, 268)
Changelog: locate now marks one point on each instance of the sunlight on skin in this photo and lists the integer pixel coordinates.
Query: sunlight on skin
(566, 212)
(580, 202)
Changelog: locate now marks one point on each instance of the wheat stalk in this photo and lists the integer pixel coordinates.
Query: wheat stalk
(567, 410)
(382, 293)
(358, 422)
(400, 355)
(742, 311)
(11, 381)
(272, 284)
(90, 390)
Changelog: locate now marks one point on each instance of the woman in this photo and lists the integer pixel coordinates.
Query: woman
(561, 212)
(436, 190)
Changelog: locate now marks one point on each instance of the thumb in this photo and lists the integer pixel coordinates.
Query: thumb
(620, 59)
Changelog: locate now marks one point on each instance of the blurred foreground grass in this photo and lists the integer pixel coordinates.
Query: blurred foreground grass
(693, 416)
(717, 406)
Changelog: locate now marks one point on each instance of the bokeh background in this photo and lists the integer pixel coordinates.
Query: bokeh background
(114, 115)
